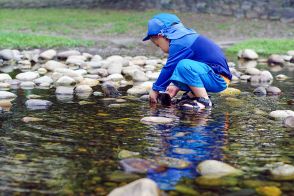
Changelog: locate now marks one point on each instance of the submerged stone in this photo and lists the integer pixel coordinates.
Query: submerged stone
(224, 181)
(289, 122)
(142, 187)
(123, 154)
(38, 104)
(269, 191)
(119, 176)
(31, 119)
(185, 190)
(173, 162)
(216, 169)
(230, 92)
(156, 120)
(136, 165)
(283, 172)
(258, 183)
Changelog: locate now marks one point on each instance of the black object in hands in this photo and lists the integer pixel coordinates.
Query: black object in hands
(164, 99)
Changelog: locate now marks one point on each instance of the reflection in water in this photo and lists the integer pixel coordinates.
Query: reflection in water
(203, 138)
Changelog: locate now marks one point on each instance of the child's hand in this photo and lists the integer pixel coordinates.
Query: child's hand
(172, 90)
(153, 96)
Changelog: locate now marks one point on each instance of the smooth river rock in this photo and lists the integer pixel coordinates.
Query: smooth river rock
(38, 104)
(27, 76)
(283, 172)
(141, 187)
(64, 90)
(214, 168)
(52, 65)
(289, 122)
(48, 54)
(156, 120)
(281, 114)
(83, 89)
(4, 76)
(7, 95)
(248, 54)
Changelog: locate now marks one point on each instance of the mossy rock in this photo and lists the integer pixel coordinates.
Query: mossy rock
(269, 191)
(123, 154)
(119, 176)
(224, 181)
(258, 183)
(185, 190)
(230, 92)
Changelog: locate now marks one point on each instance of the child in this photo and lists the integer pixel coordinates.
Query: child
(195, 64)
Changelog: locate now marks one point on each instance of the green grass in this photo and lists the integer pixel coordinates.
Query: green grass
(264, 47)
(24, 41)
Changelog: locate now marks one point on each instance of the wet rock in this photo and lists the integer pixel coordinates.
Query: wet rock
(52, 65)
(259, 183)
(265, 76)
(42, 71)
(276, 59)
(28, 119)
(65, 81)
(7, 95)
(224, 181)
(281, 77)
(252, 71)
(38, 104)
(139, 76)
(115, 77)
(156, 120)
(282, 172)
(137, 91)
(248, 54)
(289, 122)
(110, 90)
(119, 176)
(136, 165)
(230, 92)
(142, 187)
(83, 89)
(48, 54)
(43, 79)
(184, 151)
(186, 190)
(216, 169)
(123, 154)
(260, 91)
(64, 90)
(66, 54)
(173, 162)
(144, 98)
(281, 114)
(269, 191)
(4, 76)
(272, 90)
(27, 85)
(27, 76)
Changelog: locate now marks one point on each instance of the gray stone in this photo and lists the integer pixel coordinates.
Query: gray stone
(281, 77)
(281, 114)
(156, 120)
(43, 79)
(7, 95)
(245, 77)
(48, 54)
(260, 91)
(114, 68)
(252, 71)
(27, 85)
(289, 122)
(139, 76)
(66, 54)
(83, 89)
(8, 54)
(27, 76)
(4, 76)
(38, 104)
(110, 90)
(214, 168)
(76, 60)
(65, 81)
(272, 90)
(248, 54)
(276, 59)
(137, 91)
(283, 172)
(52, 65)
(266, 76)
(90, 82)
(115, 77)
(142, 187)
(64, 90)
